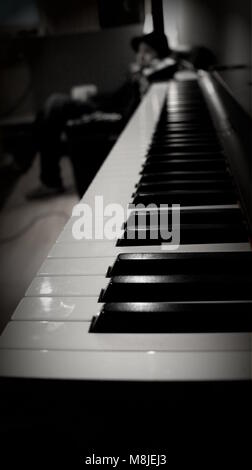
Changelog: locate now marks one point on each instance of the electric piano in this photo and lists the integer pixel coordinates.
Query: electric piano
(147, 344)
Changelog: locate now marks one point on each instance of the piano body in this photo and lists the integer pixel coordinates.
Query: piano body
(124, 345)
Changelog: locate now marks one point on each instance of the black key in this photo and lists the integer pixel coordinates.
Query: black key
(181, 139)
(188, 119)
(200, 129)
(177, 107)
(197, 147)
(184, 165)
(186, 184)
(204, 134)
(178, 287)
(166, 156)
(178, 130)
(189, 234)
(181, 263)
(184, 175)
(226, 317)
(186, 197)
(200, 216)
(185, 121)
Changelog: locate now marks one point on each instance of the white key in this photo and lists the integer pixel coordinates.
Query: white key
(75, 336)
(57, 309)
(60, 286)
(108, 249)
(75, 266)
(147, 366)
(96, 249)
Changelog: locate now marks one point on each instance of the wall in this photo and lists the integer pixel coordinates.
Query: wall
(64, 16)
(102, 57)
(56, 63)
(16, 91)
(222, 25)
(22, 13)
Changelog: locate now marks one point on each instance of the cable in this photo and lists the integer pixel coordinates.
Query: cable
(25, 229)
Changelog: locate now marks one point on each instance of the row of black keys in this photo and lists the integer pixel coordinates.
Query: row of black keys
(186, 165)
(171, 150)
(172, 293)
(144, 228)
(181, 293)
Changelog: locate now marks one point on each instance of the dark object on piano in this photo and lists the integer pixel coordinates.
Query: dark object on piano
(164, 68)
(156, 41)
(202, 57)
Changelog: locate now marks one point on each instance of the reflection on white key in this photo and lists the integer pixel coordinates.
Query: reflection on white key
(51, 286)
(57, 309)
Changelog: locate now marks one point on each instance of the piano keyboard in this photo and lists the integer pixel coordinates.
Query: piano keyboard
(147, 314)
(122, 344)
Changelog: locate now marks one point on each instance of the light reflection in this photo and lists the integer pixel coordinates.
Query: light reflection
(46, 303)
(148, 23)
(46, 287)
(49, 305)
(68, 309)
(53, 326)
(151, 352)
(173, 94)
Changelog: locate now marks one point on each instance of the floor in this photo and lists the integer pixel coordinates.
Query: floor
(28, 229)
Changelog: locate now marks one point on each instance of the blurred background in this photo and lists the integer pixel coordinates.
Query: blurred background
(51, 45)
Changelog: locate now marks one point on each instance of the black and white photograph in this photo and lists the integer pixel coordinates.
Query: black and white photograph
(125, 234)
